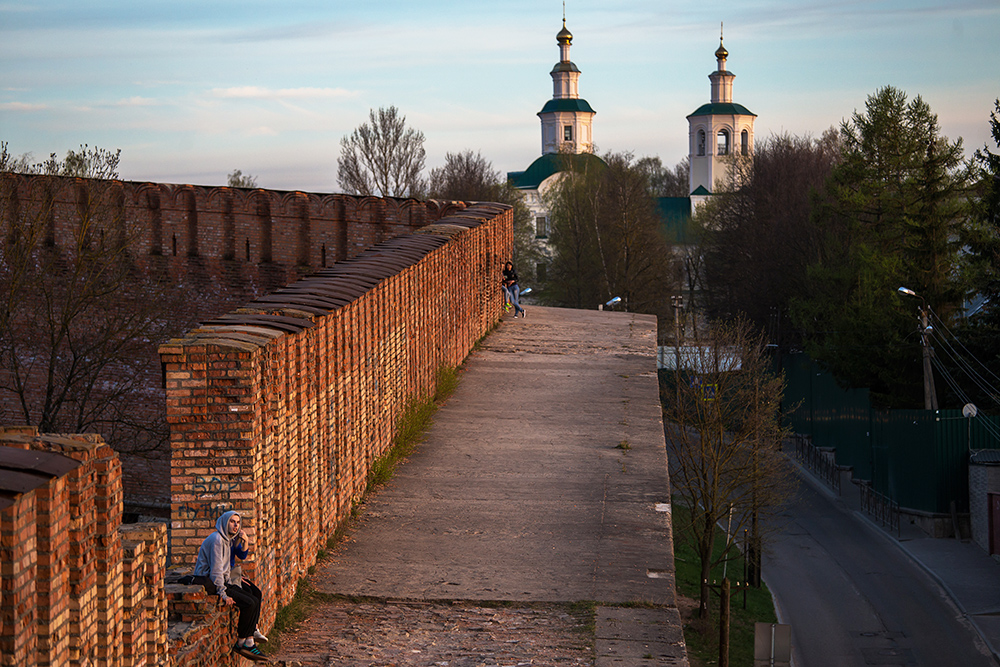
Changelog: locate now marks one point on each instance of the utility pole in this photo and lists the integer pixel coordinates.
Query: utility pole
(930, 394)
(924, 329)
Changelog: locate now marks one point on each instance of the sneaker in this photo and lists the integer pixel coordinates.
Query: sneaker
(251, 653)
(258, 637)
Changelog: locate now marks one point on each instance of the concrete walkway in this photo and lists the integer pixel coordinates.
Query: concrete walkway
(543, 480)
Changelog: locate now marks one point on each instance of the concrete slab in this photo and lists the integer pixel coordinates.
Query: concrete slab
(635, 636)
(543, 479)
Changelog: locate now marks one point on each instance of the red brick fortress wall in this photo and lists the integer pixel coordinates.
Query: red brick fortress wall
(290, 228)
(78, 587)
(217, 247)
(278, 409)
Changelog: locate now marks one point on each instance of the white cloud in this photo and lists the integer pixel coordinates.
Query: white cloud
(136, 101)
(21, 106)
(261, 93)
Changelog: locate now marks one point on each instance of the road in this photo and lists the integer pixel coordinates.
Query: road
(853, 597)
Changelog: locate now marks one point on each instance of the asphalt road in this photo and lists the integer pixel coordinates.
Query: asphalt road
(853, 597)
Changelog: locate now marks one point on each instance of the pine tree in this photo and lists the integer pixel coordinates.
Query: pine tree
(892, 216)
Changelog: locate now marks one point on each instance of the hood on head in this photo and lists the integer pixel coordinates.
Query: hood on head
(222, 524)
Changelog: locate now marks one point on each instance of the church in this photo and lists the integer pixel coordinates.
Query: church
(716, 130)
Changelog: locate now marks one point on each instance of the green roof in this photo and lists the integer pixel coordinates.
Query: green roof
(675, 219)
(552, 163)
(701, 190)
(565, 67)
(567, 104)
(722, 109)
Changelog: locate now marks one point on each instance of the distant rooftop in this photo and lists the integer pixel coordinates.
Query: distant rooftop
(722, 109)
(553, 163)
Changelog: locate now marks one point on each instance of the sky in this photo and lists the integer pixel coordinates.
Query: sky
(190, 91)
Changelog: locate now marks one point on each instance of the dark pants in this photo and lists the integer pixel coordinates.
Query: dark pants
(247, 599)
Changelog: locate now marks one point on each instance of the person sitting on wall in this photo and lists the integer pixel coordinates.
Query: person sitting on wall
(214, 568)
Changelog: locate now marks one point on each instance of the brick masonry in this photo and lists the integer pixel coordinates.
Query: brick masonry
(78, 587)
(220, 247)
(278, 409)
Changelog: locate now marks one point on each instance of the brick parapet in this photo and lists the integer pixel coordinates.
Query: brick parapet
(69, 568)
(280, 408)
(216, 246)
(280, 413)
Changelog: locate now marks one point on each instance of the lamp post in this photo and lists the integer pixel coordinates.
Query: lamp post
(924, 329)
(677, 303)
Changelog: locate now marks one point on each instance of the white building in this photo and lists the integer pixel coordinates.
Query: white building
(567, 135)
(716, 130)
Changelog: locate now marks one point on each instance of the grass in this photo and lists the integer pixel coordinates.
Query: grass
(292, 614)
(411, 428)
(702, 636)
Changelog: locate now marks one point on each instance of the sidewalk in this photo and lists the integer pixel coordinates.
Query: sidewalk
(969, 576)
(541, 485)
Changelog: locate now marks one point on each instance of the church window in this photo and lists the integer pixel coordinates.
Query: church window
(722, 141)
(567, 133)
(701, 142)
(541, 227)
(745, 142)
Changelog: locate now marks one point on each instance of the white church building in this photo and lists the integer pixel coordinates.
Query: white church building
(717, 130)
(567, 135)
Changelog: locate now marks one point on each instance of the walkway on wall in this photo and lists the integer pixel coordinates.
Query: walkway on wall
(542, 485)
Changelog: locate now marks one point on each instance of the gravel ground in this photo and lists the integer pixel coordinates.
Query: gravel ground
(458, 634)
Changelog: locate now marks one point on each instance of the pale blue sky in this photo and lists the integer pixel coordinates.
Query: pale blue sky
(190, 91)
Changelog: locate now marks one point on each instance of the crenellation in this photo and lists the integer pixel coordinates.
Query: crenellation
(279, 415)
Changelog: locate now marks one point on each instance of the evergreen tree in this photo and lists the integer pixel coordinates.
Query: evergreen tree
(892, 215)
(980, 333)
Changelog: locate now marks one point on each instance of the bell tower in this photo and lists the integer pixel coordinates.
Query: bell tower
(567, 119)
(717, 130)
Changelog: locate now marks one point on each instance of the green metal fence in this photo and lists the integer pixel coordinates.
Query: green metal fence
(918, 458)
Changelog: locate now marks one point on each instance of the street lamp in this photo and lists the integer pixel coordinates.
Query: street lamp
(924, 329)
(677, 303)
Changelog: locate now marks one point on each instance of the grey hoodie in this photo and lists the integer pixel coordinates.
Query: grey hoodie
(214, 555)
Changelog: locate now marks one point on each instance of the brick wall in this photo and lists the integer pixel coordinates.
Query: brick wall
(79, 588)
(220, 247)
(279, 408)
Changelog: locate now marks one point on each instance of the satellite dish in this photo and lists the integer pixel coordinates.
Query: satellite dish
(970, 410)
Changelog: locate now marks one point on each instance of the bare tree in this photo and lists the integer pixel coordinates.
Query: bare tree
(469, 176)
(465, 176)
(606, 236)
(664, 181)
(237, 179)
(78, 318)
(382, 157)
(87, 162)
(758, 237)
(724, 436)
